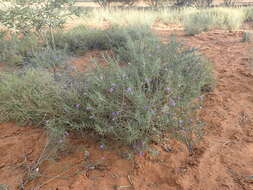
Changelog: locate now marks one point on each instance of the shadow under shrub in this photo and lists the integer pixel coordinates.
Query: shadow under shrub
(154, 91)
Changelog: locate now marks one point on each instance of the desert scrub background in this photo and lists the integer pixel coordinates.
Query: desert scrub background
(194, 20)
(206, 19)
(147, 88)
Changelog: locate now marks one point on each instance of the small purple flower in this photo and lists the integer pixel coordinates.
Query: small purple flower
(172, 102)
(181, 123)
(141, 153)
(152, 111)
(115, 113)
(146, 80)
(102, 146)
(167, 89)
(78, 105)
(66, 133)
(110, 89)
(146, 107)
(129, 90)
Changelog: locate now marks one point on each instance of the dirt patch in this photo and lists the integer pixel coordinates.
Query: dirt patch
(89, 59)
(222, 160)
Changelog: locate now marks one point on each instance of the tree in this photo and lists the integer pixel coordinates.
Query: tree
(25, 16)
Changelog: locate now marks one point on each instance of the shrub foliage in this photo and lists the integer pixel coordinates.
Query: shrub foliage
(147, 88)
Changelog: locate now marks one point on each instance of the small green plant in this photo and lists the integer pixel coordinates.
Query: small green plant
(246, 37)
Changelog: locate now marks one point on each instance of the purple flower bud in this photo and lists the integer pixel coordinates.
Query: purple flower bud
(129, 90)
(181, 123)
(110, 89)
(78, 105)
(172, 102)
(152, 111)
(146, 107)
(141, 153)
(114, 113)
(66, 133)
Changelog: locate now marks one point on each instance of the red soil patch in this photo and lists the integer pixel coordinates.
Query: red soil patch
(222, 160)
(89, 59)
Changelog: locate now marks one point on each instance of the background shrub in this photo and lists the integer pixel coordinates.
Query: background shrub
(16, 49)
(203, 20)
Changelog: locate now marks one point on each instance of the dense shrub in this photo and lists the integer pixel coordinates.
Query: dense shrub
(155, 91)
(81, 38)
(16, 50)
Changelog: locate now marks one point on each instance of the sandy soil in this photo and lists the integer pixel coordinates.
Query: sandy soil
(222, 160)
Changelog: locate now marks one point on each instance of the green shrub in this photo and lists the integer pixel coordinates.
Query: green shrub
(16, 50)
(48, 58)
(81, 39)
(152, 93)
(204, 20)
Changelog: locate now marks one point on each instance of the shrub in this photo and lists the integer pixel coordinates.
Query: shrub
(248, 14)
(26, 16)
(48, 58)
(203, 20)
(153, 93)
(247, 36)
(81, 39)
(17, 49)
